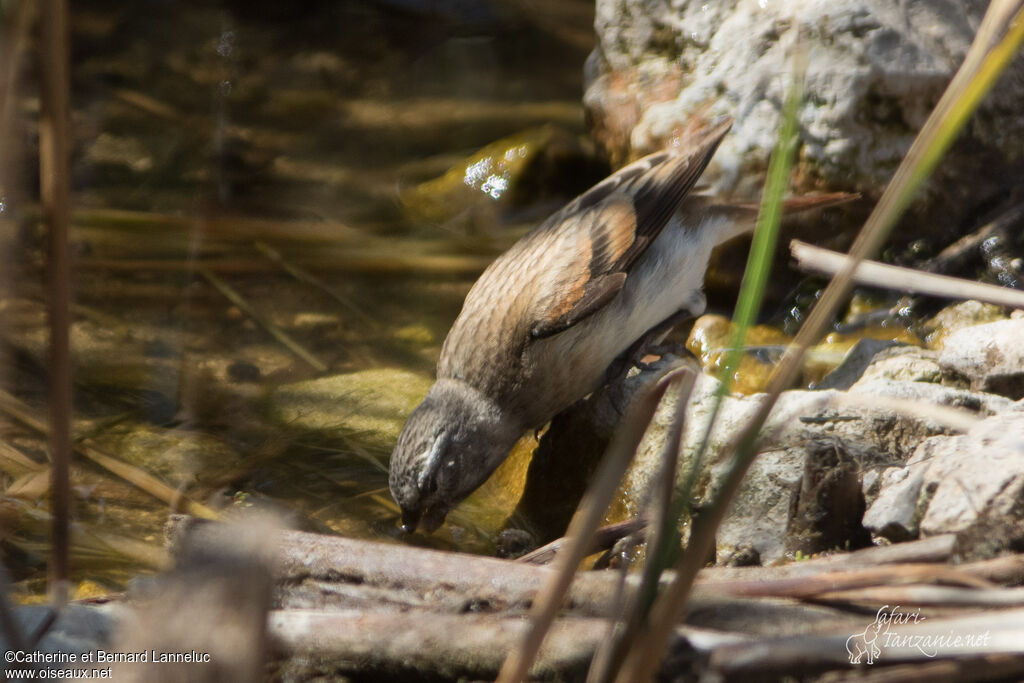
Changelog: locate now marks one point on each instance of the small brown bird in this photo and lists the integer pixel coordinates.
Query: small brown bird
(540, 328)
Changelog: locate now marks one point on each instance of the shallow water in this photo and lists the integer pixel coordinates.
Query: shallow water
(244, 171)
(276, 215)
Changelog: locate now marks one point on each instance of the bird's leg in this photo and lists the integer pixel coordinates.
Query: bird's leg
(650, 341)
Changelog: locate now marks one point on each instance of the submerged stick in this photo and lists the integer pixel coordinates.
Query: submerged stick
(957, 252)
(276, 332)
(141, 479)
(303, 275)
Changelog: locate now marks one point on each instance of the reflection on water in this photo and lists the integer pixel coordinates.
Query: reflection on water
(240, 231)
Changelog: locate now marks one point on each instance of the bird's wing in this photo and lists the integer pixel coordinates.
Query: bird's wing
(606, 229)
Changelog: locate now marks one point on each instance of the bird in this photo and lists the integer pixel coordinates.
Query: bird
(598, 280)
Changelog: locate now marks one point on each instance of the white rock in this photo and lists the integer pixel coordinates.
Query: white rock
(990, 356)
(970, 484)
(904, 364)
(872, 435)
(875, 69)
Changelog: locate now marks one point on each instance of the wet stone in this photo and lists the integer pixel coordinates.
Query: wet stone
(243, 371)
(176, 456)
(371, 405)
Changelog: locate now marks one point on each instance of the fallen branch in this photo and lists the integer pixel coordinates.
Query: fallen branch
(603, 539)
(399, 612)
(318, 570)
(994, 633)
(414, 646)
(874, 274)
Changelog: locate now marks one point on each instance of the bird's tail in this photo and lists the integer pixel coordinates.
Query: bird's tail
(742, 217)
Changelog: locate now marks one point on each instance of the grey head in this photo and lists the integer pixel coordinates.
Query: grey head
(450, 444)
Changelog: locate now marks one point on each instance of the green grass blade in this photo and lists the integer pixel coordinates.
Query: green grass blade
(997, 41)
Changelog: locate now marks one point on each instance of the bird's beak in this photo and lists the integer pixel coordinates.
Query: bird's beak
(410, 520)
(432, 518)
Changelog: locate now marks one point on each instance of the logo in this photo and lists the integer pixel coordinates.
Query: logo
(897, 629)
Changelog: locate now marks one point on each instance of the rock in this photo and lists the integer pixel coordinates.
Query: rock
(111, 362)
(957, 317)
(710, 339)
(569, 452)
(118, 153)
(511, 173)
(893, 514)
(969, 484)
(827, 508)
(742, 556)
(241, 371)
(904, 364)
(371, 405)
(567, 455)
(514, 543)
(779, 508)
(761, 511)
(990, 357)
(855, 363)
(977, 402)
(875, 70)
(176, 456)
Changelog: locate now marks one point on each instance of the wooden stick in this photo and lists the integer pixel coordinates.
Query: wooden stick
(996, 633)
(604, 538)
(959, 251)
(402, 575)
(585, 522)
(927, 596)
(815, 259)
(421, 644)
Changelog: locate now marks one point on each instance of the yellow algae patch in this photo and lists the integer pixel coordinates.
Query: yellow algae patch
(709, 341)
(505, 487)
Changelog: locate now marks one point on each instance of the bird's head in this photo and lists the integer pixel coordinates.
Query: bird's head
(450, 444)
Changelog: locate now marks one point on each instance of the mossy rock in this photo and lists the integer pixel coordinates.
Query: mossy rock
(371, 405)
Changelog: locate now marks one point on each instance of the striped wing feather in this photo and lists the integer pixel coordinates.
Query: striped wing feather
(615, 222)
